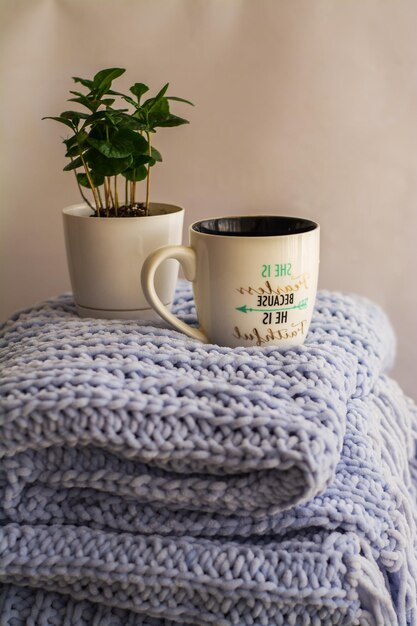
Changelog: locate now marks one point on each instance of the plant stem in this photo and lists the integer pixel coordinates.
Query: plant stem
(148, 178)
(106, 194)
(86, 200)
(134, 192)
(126, 193)
(99, 196)
(93, 189)
(110, 192)
(116, 195)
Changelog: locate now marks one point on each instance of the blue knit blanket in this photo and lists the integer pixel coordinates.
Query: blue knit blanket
(147, 479)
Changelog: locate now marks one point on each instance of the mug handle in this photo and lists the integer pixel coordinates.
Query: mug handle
(187, 257)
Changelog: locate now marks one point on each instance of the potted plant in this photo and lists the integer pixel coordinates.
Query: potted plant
(110, 234)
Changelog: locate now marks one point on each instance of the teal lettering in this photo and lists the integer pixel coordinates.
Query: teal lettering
(283, 269)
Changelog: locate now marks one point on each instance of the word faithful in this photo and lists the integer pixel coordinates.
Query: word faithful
(270, 335)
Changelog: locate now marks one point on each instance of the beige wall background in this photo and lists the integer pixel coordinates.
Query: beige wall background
(303, 107)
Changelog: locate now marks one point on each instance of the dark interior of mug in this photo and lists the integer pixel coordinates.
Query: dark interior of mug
(254, 226)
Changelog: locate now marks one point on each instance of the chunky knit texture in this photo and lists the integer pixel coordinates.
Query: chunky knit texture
(147, 479)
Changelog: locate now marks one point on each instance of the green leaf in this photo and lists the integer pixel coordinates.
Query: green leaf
(106, 148)
(117, 118)
(74, 164)
(73, 151)
(82, 99)
(162, 92)
(158, 113)
(130, 100)
(156, 107)
(141, 159)
(97, 179)
(113, 116)
(121, 144)
(83, 81)
(136, 174)
(95, 103)
(106, 166)
(179, 100)
(97, 116)
(155, 154)
(138, 89)
(62, 120)
(74, 116)
(172, 120)
(111, 92)
(79, 93)
(104, 78)
(140, 144)
(76, 144)
(89, 104)
(139, 120)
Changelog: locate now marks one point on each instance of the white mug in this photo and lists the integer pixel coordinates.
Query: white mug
(254, 279)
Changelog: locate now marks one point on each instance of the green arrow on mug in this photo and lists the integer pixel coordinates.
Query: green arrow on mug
(301, 305)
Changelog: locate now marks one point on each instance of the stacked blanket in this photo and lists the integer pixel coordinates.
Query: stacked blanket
(147, 479)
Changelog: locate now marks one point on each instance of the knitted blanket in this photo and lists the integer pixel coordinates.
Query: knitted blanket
(148, 479)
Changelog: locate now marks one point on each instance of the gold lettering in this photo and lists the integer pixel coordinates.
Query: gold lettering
(237, 332)
(297, 328)
(298, 282)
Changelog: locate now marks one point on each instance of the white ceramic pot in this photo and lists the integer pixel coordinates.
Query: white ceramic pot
(105, 257)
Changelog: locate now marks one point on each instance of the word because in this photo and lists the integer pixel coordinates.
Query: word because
(287, 298)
